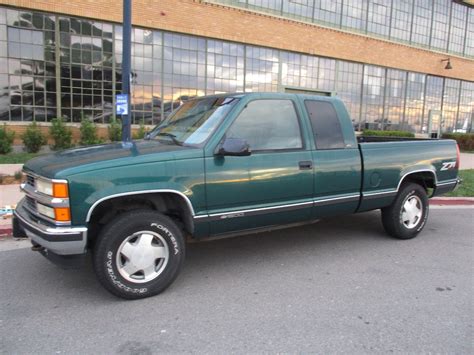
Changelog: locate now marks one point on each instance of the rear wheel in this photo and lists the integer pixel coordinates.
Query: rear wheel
(407, 216)
(139, 254)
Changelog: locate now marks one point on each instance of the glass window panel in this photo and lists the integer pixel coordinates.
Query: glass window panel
(433, 98)
(458, 28)
(466, 108)
(379, 17)
(328, 11)
(272, 6)
(223, 76)
(12, 17)
(349, 88)
(469, 49)
(325, 123)
(373, 97)
(261, 69)
(441, 11)
(299, 9)
(414, 102)
(277, 118)
(13, 34)
(354, 15)
(3, 16)
(401, 20)
(450, 104)
(394, 99)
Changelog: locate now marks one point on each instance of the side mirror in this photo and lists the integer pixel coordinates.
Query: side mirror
(236, 147)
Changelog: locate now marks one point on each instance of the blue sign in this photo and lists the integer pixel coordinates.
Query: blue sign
(121, 104)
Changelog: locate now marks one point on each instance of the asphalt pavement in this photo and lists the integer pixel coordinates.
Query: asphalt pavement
(337, 286)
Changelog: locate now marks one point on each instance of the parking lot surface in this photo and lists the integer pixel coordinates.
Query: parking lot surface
(340, 285)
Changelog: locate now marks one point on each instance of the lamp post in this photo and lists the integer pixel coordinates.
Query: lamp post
(126, 68)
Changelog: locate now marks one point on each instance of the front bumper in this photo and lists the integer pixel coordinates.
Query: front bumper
(57, 240)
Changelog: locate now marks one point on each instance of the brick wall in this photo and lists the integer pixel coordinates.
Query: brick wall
(204, 19)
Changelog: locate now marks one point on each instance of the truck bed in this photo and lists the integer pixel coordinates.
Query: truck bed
(386, 161)
(378, 139)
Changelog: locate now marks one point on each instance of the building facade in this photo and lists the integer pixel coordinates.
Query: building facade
(386, 59)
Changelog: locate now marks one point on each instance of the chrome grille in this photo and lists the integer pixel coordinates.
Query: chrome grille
(30, 204)
(30, 180)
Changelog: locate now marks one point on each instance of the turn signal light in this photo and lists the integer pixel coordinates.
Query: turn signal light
(62, 214)
(60, 190)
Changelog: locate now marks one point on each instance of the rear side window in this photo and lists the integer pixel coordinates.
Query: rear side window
(326, 127)
(268, 125)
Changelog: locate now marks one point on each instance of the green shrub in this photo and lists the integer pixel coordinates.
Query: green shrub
(88, 133)
(18, 175)
(6, 140)
(464, 140)
(33, 139)
(140, 134)
(370, 132)
(115, 130)
(61, 135)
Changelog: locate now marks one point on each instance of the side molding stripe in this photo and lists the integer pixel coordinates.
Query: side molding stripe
(280, 208)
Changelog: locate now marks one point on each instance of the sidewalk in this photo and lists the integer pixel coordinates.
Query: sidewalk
(10, 169)
(10, 194)
(467, 161)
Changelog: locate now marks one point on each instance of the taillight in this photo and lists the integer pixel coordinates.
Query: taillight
(458, 157)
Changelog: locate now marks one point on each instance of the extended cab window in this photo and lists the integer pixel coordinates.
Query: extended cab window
(268, 125)
(326, 127)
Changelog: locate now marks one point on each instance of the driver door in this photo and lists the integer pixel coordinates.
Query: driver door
(271, 186)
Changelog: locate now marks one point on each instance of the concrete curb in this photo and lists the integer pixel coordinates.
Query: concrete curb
(6, 231)
(452, 201)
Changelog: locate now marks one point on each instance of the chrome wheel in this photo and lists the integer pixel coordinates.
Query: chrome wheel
(142, 256)
(412, 211)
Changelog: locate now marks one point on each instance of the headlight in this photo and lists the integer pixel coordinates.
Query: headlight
(44, 186)
(55, 189)
(45, 210)
(59, 214)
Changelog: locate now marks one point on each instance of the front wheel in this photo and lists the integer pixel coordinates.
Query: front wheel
(139, 254)
(407, 215)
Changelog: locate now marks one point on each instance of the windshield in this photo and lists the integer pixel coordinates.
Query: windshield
(194, 121)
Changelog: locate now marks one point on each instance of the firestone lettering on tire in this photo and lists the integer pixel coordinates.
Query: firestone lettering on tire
(170, 235)
(113, 277)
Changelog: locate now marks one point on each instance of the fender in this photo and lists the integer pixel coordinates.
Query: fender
(427, 170)
(186, 199)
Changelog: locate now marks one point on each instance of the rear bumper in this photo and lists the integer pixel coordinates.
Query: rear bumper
(57, 240)
(458, 183)
(446, 186)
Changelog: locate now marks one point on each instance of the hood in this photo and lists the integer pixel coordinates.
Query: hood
(81, 159)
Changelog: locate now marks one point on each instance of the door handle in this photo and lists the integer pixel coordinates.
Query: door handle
(305, 165)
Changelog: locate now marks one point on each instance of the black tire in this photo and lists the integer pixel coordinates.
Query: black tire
(392, 216)
(106, 260)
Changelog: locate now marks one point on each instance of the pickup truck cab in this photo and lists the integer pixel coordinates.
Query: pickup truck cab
(219, 166)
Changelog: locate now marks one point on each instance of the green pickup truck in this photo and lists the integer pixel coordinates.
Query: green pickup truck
(219, 166)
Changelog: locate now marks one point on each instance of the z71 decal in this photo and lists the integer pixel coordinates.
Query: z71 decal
(448, 165)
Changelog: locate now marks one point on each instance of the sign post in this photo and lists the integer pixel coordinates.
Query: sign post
(126, 70)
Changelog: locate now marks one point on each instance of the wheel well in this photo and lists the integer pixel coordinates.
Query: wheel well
(426, 179)
(168, 203)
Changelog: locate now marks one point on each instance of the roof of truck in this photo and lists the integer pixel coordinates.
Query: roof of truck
(273, 94)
